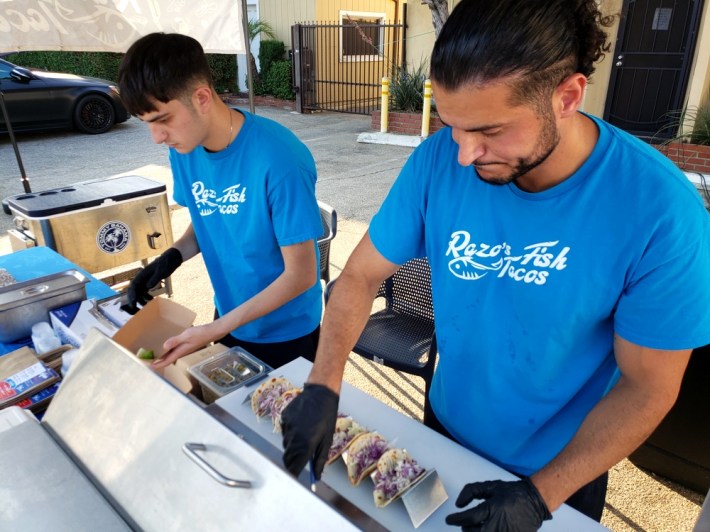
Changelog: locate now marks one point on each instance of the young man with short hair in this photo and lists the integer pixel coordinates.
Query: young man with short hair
(245, 179)
(566, 259)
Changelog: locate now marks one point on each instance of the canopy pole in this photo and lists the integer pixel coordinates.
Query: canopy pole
(25, 181)
(247, 51)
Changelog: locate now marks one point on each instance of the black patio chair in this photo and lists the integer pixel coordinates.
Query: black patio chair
(401, 336)
(329, 220)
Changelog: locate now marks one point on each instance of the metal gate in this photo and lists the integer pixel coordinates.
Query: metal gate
(652, 58)
(339, 67)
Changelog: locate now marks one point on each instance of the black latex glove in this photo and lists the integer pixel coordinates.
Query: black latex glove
(157, 270)
(508, 506)
(308, 424)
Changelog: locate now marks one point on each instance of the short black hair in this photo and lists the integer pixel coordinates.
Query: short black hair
(537, 42)
(161, 67)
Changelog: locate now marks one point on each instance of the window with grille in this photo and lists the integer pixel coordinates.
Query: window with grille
(361, 36)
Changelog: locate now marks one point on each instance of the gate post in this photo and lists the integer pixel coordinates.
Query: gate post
(297, 67)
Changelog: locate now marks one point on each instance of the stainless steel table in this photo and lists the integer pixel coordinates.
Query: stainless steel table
(455, 464)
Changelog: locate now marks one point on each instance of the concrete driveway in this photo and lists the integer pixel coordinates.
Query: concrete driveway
(352, 177)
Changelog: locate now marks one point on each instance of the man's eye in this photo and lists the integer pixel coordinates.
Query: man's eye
(491, 132)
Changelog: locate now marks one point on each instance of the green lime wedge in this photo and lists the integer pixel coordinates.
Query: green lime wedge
(145, 354)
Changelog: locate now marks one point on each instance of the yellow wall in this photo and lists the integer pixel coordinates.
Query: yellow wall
(420, 33)
(282, 14)
(329, 10)
(699, 86)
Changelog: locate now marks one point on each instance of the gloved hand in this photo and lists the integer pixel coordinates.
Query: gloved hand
(159, 269)
(308, 424)
(508, 506)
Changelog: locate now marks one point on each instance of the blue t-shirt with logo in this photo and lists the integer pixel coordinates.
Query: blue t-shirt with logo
(245, 202)
(530, 288)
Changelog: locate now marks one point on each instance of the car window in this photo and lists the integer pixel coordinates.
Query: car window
(5, 69)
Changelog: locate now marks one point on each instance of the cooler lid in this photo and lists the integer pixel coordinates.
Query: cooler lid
(83, 195)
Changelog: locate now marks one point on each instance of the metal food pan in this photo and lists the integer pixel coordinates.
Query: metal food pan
(226, 372)
(26, 303)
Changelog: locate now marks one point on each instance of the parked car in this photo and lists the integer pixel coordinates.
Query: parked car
(37, 100)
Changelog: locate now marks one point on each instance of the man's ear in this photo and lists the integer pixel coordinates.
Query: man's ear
(202, 98)
(569, 94)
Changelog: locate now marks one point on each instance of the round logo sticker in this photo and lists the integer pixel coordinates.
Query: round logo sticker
(113, 237)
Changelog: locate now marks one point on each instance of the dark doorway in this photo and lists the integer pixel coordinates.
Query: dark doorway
(652, 59)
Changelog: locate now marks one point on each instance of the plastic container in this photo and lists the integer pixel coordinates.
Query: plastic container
(228, 371)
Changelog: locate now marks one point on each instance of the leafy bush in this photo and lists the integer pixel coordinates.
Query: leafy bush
(224, 71)
(270, 51)
(675, 120)
(105, 65)
(97, 64)
(407, 89)
(279, 80)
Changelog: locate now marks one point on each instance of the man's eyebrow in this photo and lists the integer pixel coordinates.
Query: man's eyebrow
(155, 118)
(484, 127)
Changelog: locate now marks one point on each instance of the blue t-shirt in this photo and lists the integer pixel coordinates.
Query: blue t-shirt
(245, 202)
(529, 288)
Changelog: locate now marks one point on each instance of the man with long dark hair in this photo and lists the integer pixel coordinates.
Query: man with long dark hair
(569, 268)
(244, 180)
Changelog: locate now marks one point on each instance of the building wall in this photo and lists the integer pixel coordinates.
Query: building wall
(420, 41)
(281, 15)
(329, 10)
(699, 86)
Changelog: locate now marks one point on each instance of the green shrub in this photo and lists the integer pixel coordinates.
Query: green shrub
(105, 65)
(224, 71)
(407, 89)
(270, 51)
(97, 64)
(279, 80)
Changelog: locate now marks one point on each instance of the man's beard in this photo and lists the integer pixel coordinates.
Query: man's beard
(547, 142)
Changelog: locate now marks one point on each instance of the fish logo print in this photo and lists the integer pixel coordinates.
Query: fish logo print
(472, 261)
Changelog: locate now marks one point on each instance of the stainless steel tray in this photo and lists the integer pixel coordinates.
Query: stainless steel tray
(26, 303)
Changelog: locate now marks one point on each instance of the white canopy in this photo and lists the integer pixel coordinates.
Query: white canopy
(113, 25)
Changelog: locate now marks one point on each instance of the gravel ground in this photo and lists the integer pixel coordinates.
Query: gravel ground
(354, 178)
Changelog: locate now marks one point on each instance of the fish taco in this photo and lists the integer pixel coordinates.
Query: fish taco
(395, 473)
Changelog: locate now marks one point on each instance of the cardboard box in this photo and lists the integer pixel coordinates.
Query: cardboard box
(179, 375)
(72, 322)
(151, 326)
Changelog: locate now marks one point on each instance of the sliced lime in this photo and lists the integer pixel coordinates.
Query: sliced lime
(145, 354)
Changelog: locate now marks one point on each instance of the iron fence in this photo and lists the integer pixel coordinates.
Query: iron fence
(339, 67)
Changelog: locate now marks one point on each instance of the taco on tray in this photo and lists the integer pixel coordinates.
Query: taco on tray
(396, 472)
(267, 392)
(280, 404)
(346, 429)
(362, 455)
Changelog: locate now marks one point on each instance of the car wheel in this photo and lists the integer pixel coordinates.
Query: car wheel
(94, 114)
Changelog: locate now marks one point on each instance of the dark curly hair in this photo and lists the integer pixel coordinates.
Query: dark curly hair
(539, 42)
(161, 67)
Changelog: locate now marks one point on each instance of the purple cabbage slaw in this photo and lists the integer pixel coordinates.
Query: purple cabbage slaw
(369, 454)
(395, 480)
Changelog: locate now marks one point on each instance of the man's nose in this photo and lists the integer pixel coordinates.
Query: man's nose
(471, 147)
(157, 133)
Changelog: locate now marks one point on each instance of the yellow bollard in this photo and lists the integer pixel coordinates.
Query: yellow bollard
(426, 110)
(384, 113)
